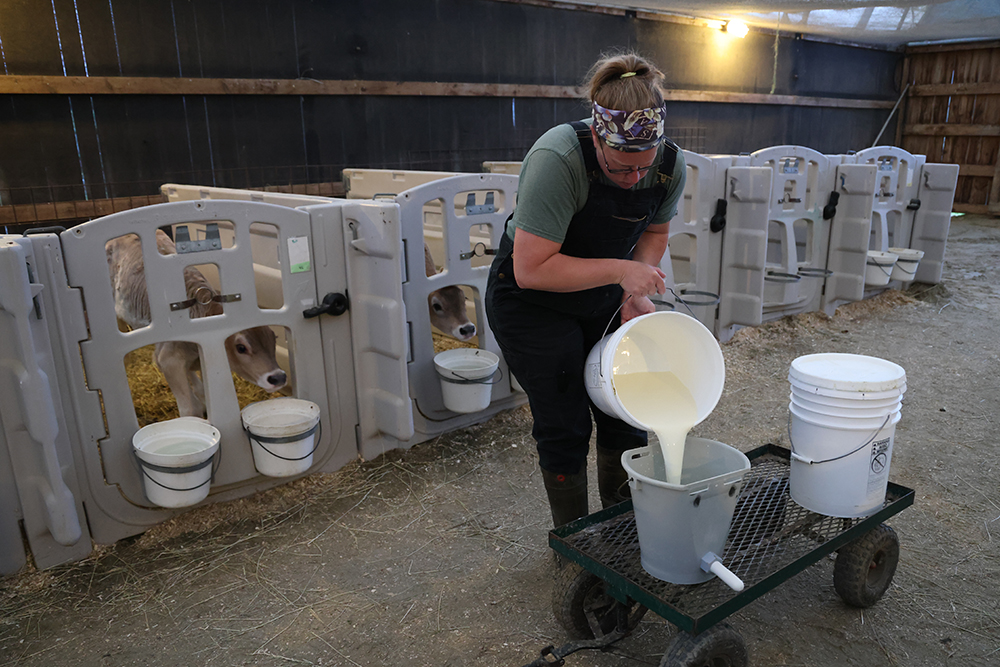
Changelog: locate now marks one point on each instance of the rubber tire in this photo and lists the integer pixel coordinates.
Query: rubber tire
(575, 591)
(719, 646)
(865, 567)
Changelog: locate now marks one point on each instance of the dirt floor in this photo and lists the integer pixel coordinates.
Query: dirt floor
(439, 556)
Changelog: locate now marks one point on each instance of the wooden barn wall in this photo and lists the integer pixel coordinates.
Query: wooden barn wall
(62, 147)
(953, 115)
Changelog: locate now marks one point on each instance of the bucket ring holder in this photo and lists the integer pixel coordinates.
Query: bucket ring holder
(215, 460)
(814, 272)
(803, 459)
(881, 267)
(781, 277)
(496, 377)
(261, 439)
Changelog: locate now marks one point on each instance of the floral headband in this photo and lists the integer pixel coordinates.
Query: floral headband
(630, 131)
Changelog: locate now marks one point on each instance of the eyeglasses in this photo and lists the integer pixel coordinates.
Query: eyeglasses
(626, 170)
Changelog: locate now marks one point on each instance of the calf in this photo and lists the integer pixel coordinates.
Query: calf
(250, 352)
(447, 305)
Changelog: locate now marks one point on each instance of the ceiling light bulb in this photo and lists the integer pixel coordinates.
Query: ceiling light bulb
(737, 28)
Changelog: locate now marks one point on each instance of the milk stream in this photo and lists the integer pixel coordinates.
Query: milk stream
(661, 402)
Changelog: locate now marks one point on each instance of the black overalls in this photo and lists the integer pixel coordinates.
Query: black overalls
(545, 337)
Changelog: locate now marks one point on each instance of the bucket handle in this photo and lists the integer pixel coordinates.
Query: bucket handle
(498, 374)
(215, 461)
(881, 268)
(803, 459)
(261, 439)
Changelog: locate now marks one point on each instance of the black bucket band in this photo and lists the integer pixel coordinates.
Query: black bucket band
(145, 467)
(485, 380)
(261, 439)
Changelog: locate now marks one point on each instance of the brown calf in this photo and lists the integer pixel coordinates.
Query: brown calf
(250, 352)
(447, 305)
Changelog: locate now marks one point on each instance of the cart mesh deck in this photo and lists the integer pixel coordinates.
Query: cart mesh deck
(771, 539)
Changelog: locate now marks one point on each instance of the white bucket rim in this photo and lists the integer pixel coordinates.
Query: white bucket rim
(907, 254)
(842, 424)
(881, 258)
(191, 428)
(839, 415)
(297, 416)
(489, 362)
(847, 372)
(882, 406)
(649, 450)
(717, 361)
(806, 389)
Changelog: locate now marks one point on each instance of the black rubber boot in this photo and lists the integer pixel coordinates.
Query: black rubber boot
(612, 480)
(567, 495)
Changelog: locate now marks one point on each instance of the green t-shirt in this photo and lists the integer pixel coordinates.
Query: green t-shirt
(553, 186)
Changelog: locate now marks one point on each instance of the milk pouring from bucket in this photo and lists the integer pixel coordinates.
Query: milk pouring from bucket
(664, 372)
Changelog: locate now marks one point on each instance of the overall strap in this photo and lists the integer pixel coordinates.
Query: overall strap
(665, 173)
(587, 146)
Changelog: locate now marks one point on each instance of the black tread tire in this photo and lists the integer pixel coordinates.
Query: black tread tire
(719, 646)
(865, 567)
(575, 591)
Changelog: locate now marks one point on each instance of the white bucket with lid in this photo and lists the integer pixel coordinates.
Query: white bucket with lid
(679, 524)
(657, 342)
(905, 267)
(283, 435)
(175, 457)
(841, 452)
(467, 378)
(878, 267)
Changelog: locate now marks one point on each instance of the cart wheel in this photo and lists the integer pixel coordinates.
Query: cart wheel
(581, 604)
(865, 567)
(719, 646)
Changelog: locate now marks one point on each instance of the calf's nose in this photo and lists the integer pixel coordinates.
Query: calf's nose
(467, 331)
(277, 379)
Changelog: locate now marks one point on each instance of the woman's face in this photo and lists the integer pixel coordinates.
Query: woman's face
(624, 169)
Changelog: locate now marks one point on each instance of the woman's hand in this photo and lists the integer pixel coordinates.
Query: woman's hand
(636, 306)
(641, 280)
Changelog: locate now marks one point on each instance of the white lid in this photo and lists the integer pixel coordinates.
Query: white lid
(848, 372)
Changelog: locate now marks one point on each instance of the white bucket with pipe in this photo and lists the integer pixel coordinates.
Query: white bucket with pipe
(175, 457)
(283, 433)
(878, 268)
(841, 453)
(467, 378)
(905, 267)
(680, 524)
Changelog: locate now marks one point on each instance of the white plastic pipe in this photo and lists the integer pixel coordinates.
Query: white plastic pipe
(712, 563)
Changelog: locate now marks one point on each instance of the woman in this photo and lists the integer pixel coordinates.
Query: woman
(579, 256)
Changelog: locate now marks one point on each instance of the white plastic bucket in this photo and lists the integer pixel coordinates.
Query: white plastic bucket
(283, 435)
(466, 378)
(905, 267)
(840, 470)
(176, 457)
(842, 443)
(878, 267)
(657, 342)
(678, 525)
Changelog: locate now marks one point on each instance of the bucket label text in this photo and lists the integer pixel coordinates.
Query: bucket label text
(879, 463)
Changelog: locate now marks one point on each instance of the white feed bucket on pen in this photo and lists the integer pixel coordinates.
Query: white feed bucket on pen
(878, 268)
(842, 422)
(283, 435)
(905, 267)
(176, 457)
(467, 378)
